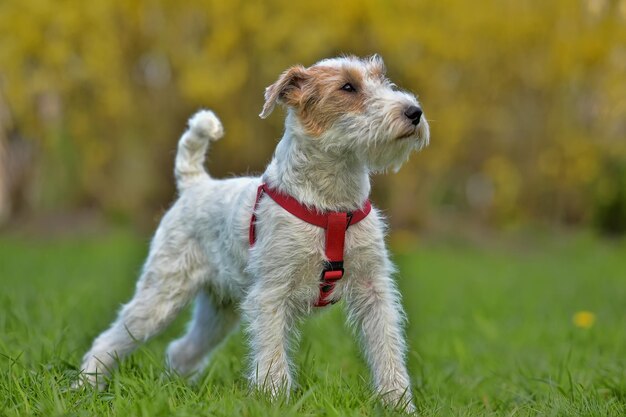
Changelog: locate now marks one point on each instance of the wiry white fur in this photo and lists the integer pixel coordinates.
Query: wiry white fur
(201, 250)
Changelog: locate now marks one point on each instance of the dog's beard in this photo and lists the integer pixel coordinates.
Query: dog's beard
(381, 145)
(394, 142)
(391, 155)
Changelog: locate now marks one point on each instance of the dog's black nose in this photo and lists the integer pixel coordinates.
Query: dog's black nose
(414, 113)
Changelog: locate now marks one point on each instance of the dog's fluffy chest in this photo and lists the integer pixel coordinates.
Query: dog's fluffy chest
(288, 253)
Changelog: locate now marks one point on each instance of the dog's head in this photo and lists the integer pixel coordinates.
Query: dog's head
(347, 104)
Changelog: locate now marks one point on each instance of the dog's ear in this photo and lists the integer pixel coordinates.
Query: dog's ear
(377, 64)
(286, 90)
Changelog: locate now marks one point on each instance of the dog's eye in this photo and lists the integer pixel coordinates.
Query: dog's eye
(349, 88)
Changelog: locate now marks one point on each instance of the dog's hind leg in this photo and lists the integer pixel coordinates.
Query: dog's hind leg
(210, 325)
(172, 275)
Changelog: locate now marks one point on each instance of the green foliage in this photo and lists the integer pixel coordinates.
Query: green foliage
(610, 198)
(490, 334)
(526, 98)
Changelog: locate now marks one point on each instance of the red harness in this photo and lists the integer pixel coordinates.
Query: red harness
(335, 223)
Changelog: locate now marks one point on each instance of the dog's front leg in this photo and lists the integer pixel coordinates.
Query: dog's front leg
(269, 324)
(374, 309)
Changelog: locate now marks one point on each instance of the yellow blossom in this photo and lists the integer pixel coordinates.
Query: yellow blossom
(584, 319)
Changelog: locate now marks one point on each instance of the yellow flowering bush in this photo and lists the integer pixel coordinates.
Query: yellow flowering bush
(527, 100)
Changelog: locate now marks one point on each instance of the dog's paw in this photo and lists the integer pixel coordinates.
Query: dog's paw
(206, 124)
(399, 400)
(275, 384)
(89, 381)
(410, 408)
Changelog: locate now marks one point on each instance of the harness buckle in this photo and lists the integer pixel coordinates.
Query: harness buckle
(333, 271)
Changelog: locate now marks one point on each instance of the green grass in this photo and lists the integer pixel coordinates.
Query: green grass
(490, 333)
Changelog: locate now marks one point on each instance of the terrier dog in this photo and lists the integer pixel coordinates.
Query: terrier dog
(345, 120)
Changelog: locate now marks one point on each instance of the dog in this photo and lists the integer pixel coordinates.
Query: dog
(249, 258)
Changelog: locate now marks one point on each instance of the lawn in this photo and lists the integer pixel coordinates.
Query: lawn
(491, 333)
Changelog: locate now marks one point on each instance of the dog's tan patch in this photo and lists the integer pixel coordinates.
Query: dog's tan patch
(323, 101)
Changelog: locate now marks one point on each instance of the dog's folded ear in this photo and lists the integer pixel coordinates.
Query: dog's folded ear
(286, 90)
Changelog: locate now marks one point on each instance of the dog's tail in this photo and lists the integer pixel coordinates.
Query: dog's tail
(204, 127)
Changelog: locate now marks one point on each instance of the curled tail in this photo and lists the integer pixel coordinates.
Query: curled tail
(204, 127)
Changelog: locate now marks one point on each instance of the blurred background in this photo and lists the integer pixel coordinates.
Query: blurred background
(526, 99)
(509, 229)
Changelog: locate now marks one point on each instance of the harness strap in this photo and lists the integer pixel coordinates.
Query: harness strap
(252, 229)
(333, 267)
(334, 223)
(309, 215)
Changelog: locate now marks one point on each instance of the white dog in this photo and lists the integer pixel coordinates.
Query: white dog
(344, 121)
